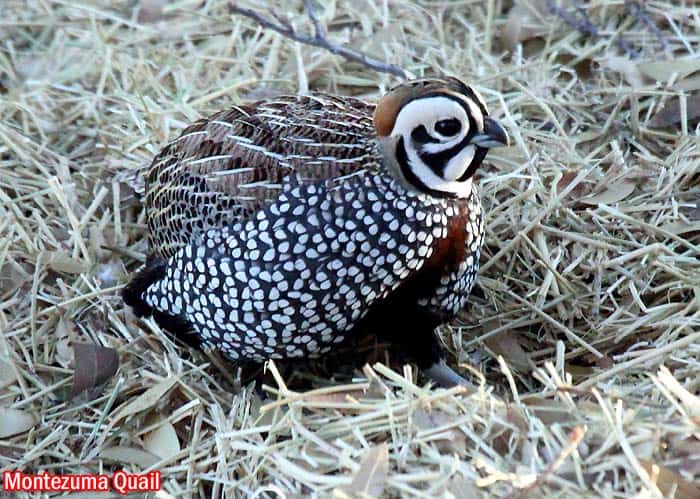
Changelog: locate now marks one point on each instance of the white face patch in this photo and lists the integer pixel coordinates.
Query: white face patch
(427, 112)
(459, 163)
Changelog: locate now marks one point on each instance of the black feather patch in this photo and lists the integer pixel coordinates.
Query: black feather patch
(402, 159)
(152, 272)
(421, 136)
(479, 156)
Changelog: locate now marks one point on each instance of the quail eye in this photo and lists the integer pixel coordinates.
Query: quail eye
(448, 127)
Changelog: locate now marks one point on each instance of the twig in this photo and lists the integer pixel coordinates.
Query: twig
(586, 27)
(318, 39)
(639, 12)
(319, 29)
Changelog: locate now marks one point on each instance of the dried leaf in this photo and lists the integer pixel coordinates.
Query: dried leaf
(613, 193)
(64, 350)
(334, 398)
(687, 450)
(162, 441)
(7, 373)
(62, 263)
(370, 479)
(129, 455)
(507, 344)
(627, 68)
(670, 114)
(454, 441)
(604, 362)
(580, 372)
(94, 365)
(568, 177)
(150, 11)
(526, 21)
(147, 399)
(13, 275)
(662, 70)
(463, 488)
(688, 84)
(14, 422)
(340, 396)
(508, 429)
(669, 481)
(553, 411)
(520, 26)
(680, 227)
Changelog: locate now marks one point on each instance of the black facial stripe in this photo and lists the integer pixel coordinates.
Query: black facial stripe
(402, 159)
(421, 136)
(436, 164)
(470, 93)
(479, 156)
(437, 161)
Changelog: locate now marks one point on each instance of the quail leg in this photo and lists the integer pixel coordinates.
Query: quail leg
(414, 334)
(431, 359)
(444, 375)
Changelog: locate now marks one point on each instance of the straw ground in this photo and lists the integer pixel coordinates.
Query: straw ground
(584, 337)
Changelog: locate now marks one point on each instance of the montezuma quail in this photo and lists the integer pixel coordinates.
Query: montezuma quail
(278, 228)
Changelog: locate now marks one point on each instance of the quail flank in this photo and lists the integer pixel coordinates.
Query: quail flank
(280, 228)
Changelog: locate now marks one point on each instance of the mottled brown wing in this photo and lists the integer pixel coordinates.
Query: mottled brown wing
(228, 166)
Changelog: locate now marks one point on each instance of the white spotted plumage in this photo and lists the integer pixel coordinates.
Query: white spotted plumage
(275, 229)
(352, 280)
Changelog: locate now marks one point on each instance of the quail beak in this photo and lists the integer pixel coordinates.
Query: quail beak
(494, 135)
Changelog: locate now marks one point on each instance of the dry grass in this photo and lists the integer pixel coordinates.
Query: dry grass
(586, 338)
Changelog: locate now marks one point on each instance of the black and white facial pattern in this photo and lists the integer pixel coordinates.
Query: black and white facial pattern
(433, 149)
